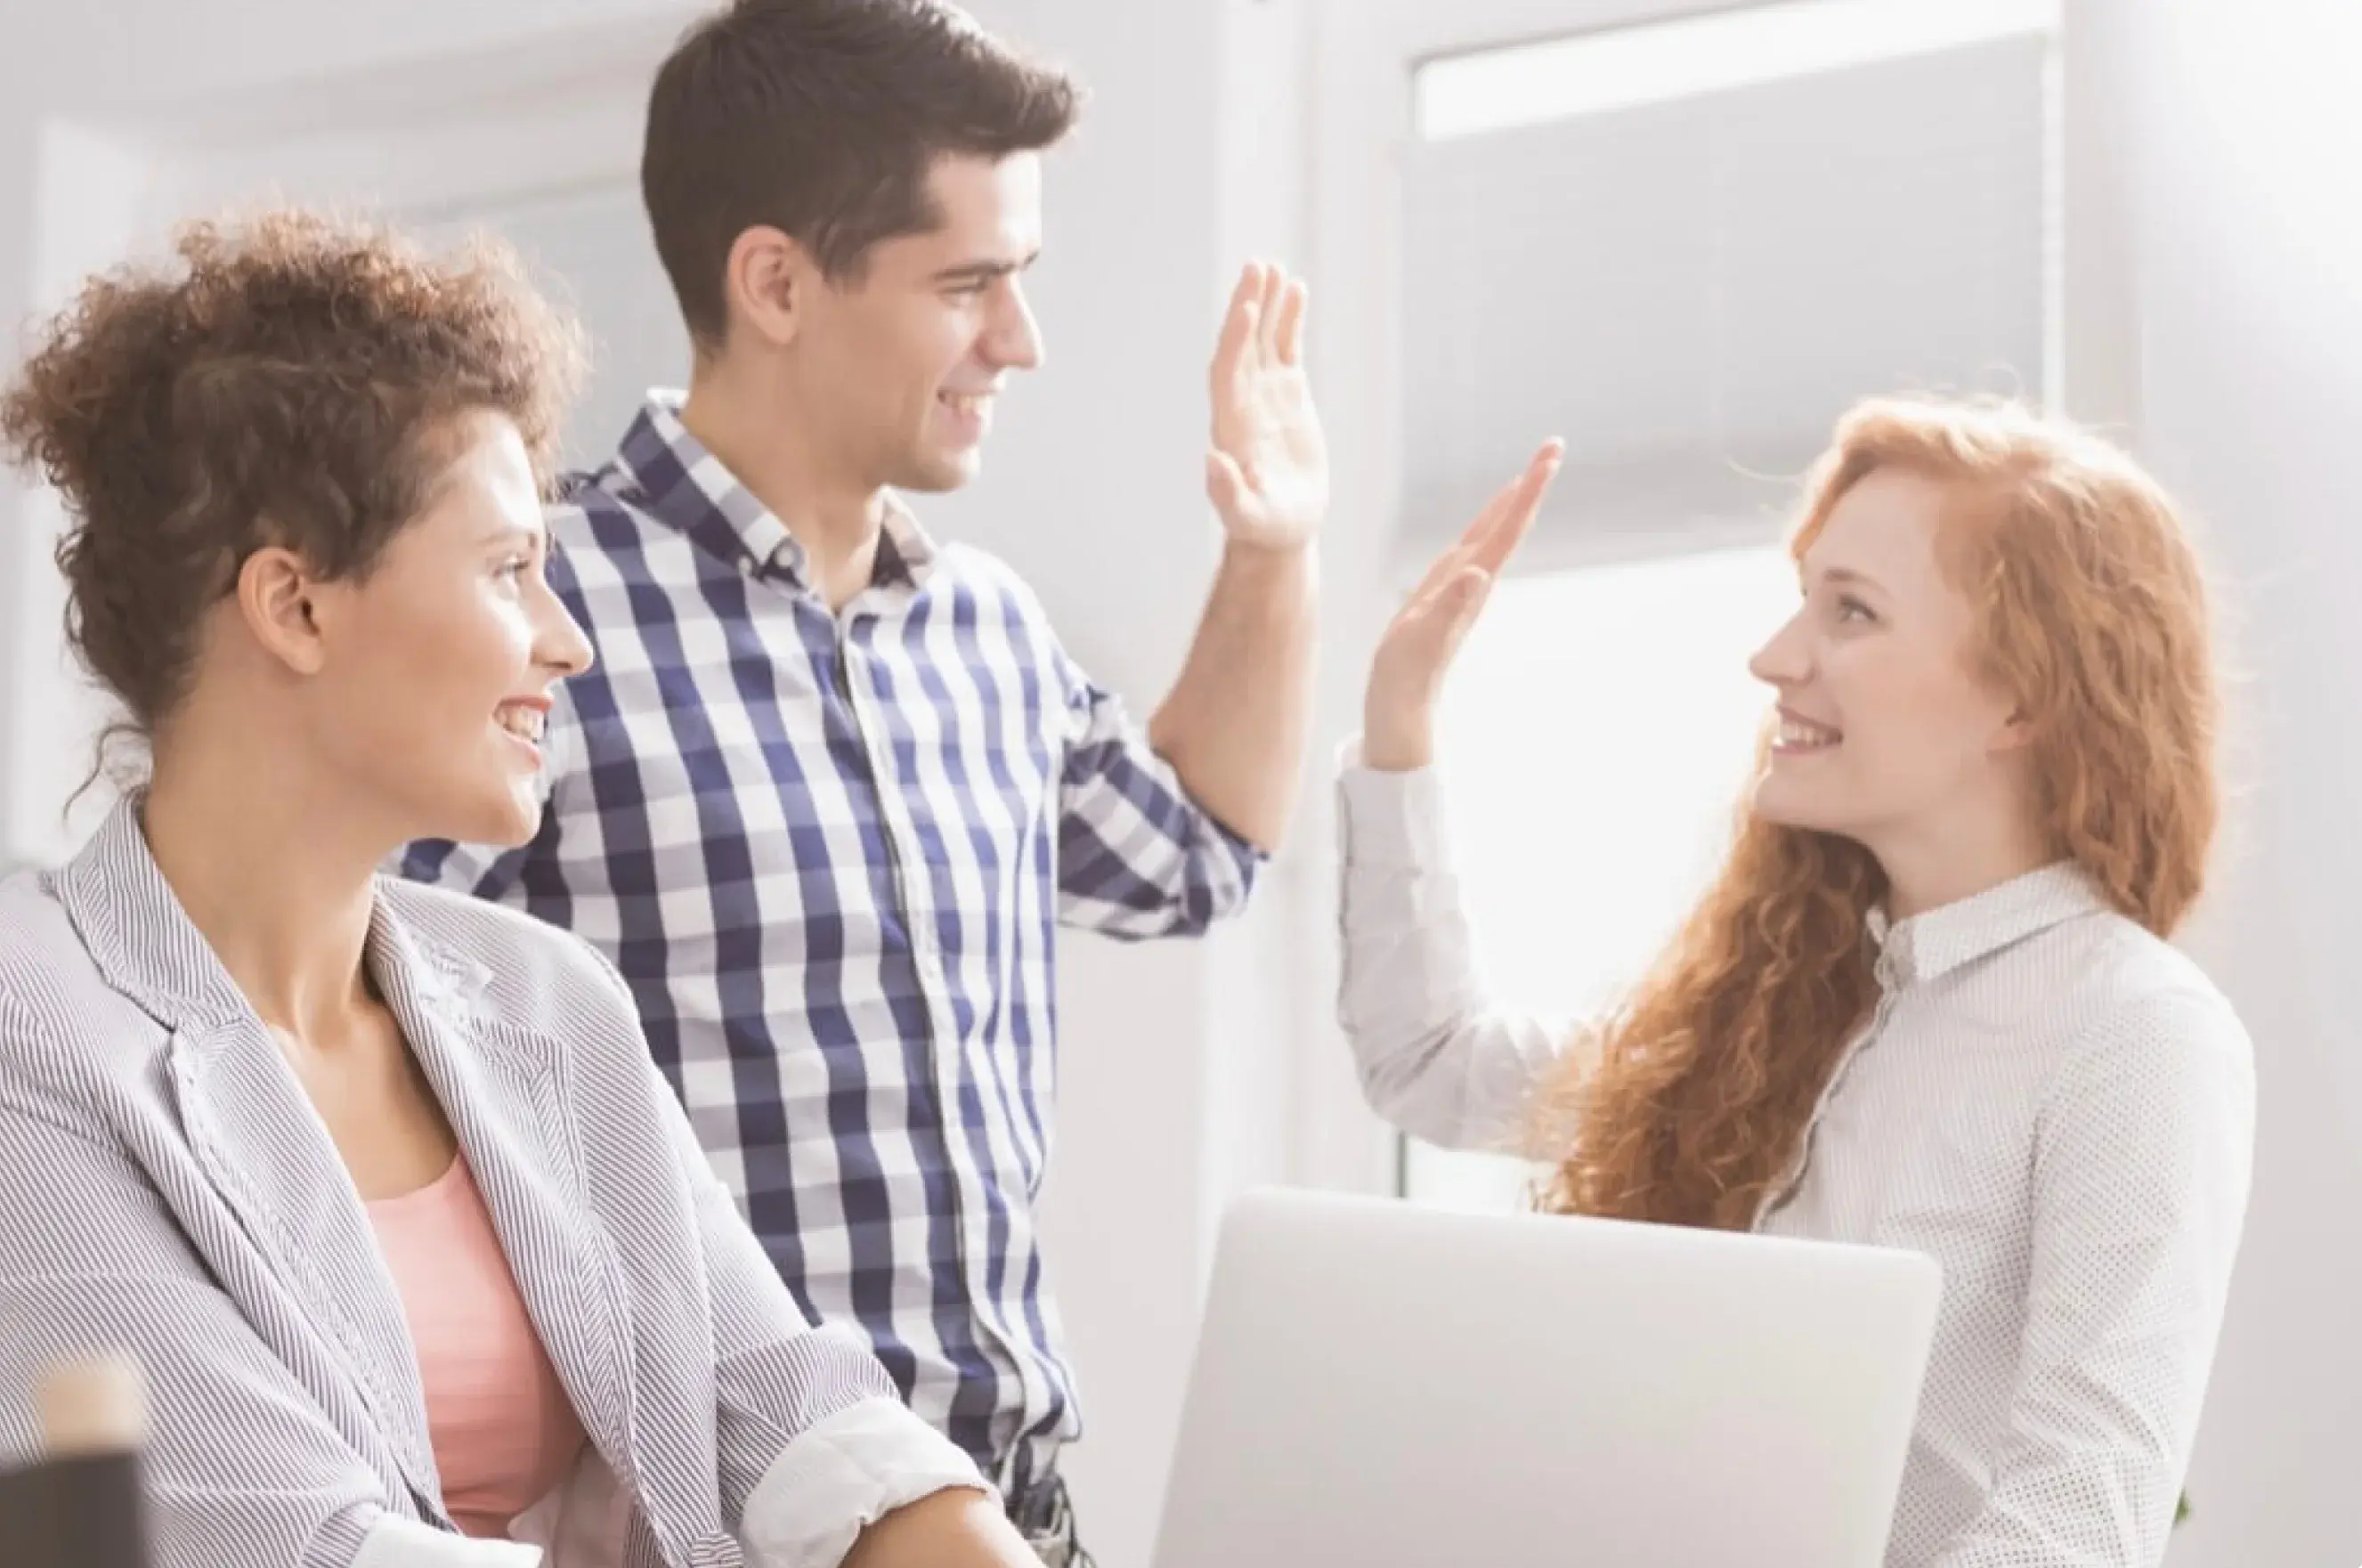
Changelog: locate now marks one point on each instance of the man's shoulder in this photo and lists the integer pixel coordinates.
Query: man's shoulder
(596, 509)
(608, 550)
(976, 573)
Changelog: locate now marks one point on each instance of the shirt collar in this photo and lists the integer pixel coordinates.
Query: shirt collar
(1930, 945)
(683, 484)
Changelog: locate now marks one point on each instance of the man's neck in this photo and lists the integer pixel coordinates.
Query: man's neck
(768, 448)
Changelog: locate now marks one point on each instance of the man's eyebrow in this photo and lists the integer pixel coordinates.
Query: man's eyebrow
(984, 271)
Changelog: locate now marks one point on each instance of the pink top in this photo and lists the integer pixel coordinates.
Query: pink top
(504, 1431)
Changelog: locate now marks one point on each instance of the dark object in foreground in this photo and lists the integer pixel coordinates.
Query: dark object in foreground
(79, 1506)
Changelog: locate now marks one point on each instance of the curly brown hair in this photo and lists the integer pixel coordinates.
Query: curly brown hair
(2094, 613)
(292, 382)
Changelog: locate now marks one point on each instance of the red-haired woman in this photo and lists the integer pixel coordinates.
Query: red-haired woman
(1929, 1001)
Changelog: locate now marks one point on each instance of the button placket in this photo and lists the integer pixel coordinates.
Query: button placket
(1792, 1179)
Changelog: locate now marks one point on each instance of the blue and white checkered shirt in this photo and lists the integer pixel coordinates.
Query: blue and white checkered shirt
(830, 853)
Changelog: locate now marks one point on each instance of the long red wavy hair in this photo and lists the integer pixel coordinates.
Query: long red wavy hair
(2094, 616)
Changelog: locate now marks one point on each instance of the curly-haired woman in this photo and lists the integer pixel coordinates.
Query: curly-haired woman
(423, 1263)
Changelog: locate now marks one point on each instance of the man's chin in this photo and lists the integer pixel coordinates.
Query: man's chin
(941, 472)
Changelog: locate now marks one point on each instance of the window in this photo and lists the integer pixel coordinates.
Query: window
(1690, 56)
(1688, 247)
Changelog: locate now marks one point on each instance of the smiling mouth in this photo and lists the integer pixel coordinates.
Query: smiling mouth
(527, 723)
(1796, 735)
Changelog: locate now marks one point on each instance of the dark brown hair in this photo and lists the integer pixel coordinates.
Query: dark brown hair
(820, 119)
(291, 381)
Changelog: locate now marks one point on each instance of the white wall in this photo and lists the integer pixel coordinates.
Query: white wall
(105, 102)
(101, 179)
(19, 641)
(2243, 140)
(1177, 1073)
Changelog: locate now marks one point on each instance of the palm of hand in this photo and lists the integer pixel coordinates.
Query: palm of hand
(1268, 471)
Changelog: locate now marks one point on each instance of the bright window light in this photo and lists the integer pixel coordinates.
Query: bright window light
(1594, 741)
(1592, 74)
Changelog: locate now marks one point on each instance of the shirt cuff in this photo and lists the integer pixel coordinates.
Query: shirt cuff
(394, 1542)
(1390, 820)
(844, 1474)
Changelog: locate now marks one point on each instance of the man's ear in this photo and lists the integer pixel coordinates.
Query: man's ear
(767, 284)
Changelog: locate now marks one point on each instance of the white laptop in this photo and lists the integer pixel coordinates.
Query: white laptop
(1390, 1386)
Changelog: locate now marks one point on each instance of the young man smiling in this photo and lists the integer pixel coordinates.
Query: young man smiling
(833, 785)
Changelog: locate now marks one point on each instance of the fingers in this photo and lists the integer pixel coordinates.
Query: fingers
(1490, 539)
(1518, 505)
(1451, 561)
(1455, 605)
(1288, 333)
(1470, 594)
(1463, 550)
(1275, 286)
(1265, 320)
(1241, 324)
(1443, 622)
(1407, 673)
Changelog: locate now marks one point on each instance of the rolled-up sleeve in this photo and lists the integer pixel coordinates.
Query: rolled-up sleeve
(1137, 856)
(844, 1474)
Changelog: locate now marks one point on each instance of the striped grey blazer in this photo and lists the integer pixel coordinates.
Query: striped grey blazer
(165, 1186)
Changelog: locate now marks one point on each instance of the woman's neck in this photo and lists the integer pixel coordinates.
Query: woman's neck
(274, 872)
(1956, 860)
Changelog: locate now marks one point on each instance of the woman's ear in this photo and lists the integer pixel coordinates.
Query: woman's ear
(2018, 731)
(278, 598)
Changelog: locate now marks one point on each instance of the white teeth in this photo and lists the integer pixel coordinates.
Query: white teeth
(526, 723)
(968, 402)
(1795, 734)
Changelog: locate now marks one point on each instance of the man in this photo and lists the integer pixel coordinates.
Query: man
(831, 785)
